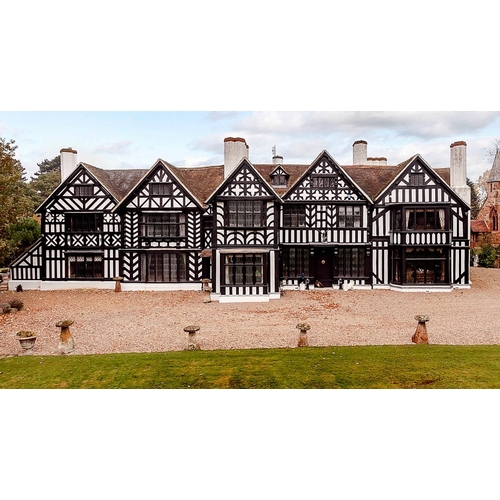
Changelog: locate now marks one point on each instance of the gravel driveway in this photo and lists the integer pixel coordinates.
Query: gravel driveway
(108, 322)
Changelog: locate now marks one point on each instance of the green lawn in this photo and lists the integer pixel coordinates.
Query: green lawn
(411, 366)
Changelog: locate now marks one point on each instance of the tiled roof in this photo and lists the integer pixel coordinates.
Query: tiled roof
(118, 182)
(203, 181)
(479, 226)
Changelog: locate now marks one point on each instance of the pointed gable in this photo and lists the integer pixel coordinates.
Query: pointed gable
(417, 182)
(325, 180)
(162, 187)
(244, 181)
(82, 190)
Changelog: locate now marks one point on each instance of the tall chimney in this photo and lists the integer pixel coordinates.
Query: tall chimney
(235, 149)
(68, 162)
(458, 170)
(359, 152)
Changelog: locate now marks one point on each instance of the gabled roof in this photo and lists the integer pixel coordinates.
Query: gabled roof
(230, 177)
(442, 175)
(346, 172)
(203, 182)
(180, 176)
(479, 226)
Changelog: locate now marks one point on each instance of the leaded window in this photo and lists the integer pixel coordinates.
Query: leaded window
(425, 219)
(160, 188)
(85, 266)
(349, 216)
(417, 179)
(324, 181)
(294, 262)
(83, 222)
(163, 225)
(279, 179)
(425, 265)
(245, 213)
(420, 265)
(294, 216)
(244, 269)
(168, 267)
(351, 262)
(84, 190)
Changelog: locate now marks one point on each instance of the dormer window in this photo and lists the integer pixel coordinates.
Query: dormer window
(279, 178)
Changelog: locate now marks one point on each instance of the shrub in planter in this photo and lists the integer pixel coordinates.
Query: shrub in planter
(26, 338)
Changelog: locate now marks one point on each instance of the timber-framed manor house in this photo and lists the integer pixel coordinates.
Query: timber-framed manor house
(254, 229)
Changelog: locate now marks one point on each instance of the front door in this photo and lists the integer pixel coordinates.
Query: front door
(323, 266)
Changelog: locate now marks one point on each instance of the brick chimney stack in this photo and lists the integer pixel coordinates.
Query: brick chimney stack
(68, 162)
(235, 149)
(359, 152)
(458, 170)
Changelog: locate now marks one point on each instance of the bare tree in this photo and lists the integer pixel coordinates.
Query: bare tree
(493, 150)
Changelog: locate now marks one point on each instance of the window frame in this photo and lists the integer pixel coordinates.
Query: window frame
(84, 190)
(84, 222)
(295, 261)
(91, 263)
(294, 216)
(171, 225)
(242, 213)
(352, 220)
(244, 269)
(164, 267)
(162, 188)
(324, 181)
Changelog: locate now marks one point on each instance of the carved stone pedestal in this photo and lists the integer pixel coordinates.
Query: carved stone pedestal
(420, 336)
(193, 344)
(303, 340)
(66, 342)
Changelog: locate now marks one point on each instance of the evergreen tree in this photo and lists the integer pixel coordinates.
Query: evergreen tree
(44, 181)
(14, 195)
(475, 201)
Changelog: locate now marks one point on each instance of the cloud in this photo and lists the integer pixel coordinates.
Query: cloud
(114, 148)
(418, 124)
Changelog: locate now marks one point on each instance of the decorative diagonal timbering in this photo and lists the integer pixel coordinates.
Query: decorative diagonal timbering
(170, 195)
(29, 265)
(194, 230)
(325, 181)
(194, 267)
(131, 266)
(245, 183)
(131, 230)
(83, 193)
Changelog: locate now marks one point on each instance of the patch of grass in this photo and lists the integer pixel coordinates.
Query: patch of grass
(366, 367)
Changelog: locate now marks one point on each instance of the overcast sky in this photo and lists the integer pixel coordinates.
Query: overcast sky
(67, 69)
(137, 139)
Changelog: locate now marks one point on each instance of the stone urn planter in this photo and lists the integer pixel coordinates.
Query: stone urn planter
(66, 342)
(26, 339)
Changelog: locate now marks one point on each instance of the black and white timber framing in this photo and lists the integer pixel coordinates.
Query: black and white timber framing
(252, 229)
